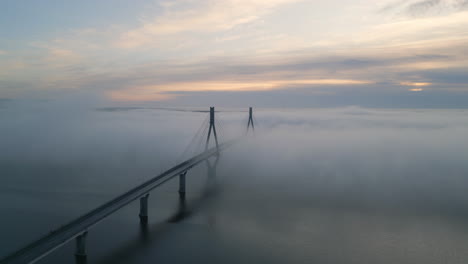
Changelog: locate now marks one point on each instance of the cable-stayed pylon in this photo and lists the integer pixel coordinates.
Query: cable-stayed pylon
(212, 128)
(250, 123)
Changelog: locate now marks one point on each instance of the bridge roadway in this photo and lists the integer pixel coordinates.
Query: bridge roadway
(57, 238)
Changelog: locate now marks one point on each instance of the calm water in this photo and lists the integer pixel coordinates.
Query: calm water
(347, 185)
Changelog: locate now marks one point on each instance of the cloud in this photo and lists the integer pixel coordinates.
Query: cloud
(162, 92)
(163, 81)
(417, 84)
(446, 76)
(2, 52)
(325, 73)
(209, 16)
(423, 7)
(423, 32)
(419, 8)
(229, 74)
(239, 45)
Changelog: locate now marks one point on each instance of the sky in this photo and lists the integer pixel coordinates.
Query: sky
(278, 53)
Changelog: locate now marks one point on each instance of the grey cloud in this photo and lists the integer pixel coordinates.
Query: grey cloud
(462, 4)
(392, 6)
(447, 77)
(422, 7)
(226, 69)
(384, 71)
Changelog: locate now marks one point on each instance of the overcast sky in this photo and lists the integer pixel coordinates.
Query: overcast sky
(386, 53)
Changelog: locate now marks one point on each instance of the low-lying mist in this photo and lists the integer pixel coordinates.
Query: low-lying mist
(59, 161)
(409, 159)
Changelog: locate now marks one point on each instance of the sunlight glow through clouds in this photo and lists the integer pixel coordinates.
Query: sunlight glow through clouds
(416, 90)
(417, 84)
(163, 92)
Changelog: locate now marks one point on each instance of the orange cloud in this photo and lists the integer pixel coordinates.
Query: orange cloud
(417, 84)
(159, 92)
(416, 90)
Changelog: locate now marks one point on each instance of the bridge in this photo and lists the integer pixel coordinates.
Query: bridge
(78, 229)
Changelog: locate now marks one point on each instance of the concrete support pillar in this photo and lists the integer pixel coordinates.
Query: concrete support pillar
(182, 184)
(144, 209)
(80, 251)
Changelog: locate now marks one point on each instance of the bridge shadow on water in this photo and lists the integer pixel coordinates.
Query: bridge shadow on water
(151, 234)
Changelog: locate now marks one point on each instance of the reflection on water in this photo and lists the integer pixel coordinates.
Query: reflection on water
(313, 186)
(149, 234)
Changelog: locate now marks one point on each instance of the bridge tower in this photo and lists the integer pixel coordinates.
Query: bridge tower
(250, 123)
(212, 127)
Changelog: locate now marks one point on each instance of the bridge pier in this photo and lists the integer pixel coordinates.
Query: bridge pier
(182, 184)
(144, 209)
(80, 250)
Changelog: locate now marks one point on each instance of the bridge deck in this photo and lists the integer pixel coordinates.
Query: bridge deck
(55, 239)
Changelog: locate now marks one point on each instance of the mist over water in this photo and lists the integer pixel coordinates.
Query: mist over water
(331, 185)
